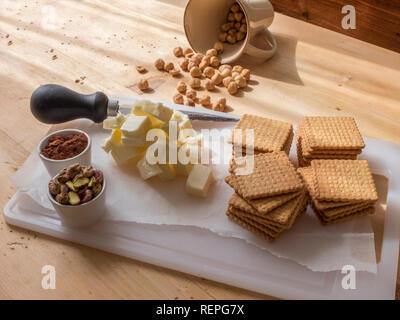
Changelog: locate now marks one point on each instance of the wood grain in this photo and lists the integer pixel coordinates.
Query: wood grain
(315, 72)
(377, 22)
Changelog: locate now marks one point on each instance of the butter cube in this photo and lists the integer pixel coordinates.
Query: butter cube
(136, 126)
(113, 140)
(133, 142)
(122, 153)
(199, 180)
(167, 172)
(107, 144)
(155, 122)
(114, 122)
(182, 120)
(146, 169)
(160, 111)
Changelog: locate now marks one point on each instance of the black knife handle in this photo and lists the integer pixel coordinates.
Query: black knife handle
(52, 104)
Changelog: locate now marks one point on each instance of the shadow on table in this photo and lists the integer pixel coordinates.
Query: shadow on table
(281, 67)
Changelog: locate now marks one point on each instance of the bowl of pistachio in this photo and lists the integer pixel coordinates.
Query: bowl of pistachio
(77, 193)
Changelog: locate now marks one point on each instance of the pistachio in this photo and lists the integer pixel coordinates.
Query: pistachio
(86, 196)
(81, 183)
(91, 182)
(96, 189)
(62, 198)
(54, 187)
(70, 185)
(73, 198)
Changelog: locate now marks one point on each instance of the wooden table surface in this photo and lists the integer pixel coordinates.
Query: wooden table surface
(315, 72)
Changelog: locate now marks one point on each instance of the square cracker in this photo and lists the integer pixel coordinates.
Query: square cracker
(269, 135)
(343, 218)
(343, 180)
(273, 174)
(265, 205)
(332, 133)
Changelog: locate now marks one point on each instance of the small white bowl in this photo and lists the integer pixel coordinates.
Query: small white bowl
(81, 215)
(55, 166)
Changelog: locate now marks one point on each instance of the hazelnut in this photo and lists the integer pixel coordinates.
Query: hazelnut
(219, 47)
(214, 62)
(197, 58)
(184, 64)
(241, 81)
(191, 65)
(178, 52)
(227, 81)
(209, 72)
(175, 72)
(231, 16)
(226, 73)
(181, 87)
(238, 16)
(141, 69)
(231, 39)
(195, 72)
(235, 8)
(203, 65)
(237, 26)
(178, 98)
(246, 74)
(224, 66)
(235, 74)
(243, 28)
(191, 94)
(240, 36)
(187, 51)
(211, 53)
(244, 21)
(195, 83)
(232, 32)
(218, 107)
(217, 78)
(232, 88)
(143, 84)
(169, 66)
(209, 85)
(222, 36)
(226, 26)
(189, 102)
(159, 64)
(189, 55)
(221, 101)
(205, 101)
(237, 69)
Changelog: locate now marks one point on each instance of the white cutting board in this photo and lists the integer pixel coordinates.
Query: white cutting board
(233, 261)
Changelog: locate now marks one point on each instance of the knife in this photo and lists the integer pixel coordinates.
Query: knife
(53, 104)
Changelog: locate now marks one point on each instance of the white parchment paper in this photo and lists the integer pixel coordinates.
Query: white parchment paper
(130, 199)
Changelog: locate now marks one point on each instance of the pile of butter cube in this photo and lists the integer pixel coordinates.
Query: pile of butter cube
(129, 141)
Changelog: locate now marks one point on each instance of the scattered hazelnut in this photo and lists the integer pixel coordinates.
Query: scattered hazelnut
(175, 72)
(209, 72)
(169, 66)
(237, 69)
(205, 101)
(184, 64)
(197, 58)
(240, 36)
(246, 74)
(222, 36)
(141, 69)
(214, 62)
(191, 94)
(189, 55)
(235, 8)
(178, 52)
(143, 84)
(218, 107)
(222, 102)
(203, 65)
(233, 88)
(195, 72)
(225, 66)
(189, 102)
(226, 73)
(219, 47)
(209, 85)
(191, 65)
(211, 53)
(241, 81)
(159, 64)
(195, 83)
(235, 74)
(178, 98)
(181, 87)
(187, 51)
(227, 81)
(217, 78)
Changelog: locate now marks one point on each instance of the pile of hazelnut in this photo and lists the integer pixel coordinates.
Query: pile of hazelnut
(235, 28)
(204, 67)
(76, 184)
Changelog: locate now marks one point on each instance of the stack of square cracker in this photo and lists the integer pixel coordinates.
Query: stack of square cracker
(267, 200)
(327, 138)
(269, 136)
(340, 189)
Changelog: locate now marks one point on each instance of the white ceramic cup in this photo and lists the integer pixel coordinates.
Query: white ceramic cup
(81, 215)
(55, 166)
(203, 20)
